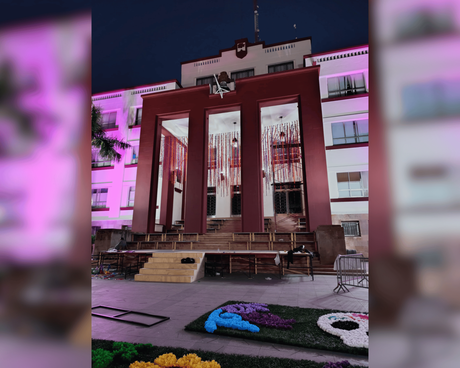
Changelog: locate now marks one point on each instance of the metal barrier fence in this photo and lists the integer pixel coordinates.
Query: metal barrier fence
(352, 270)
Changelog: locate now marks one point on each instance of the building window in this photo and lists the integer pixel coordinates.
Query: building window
(350, 132)
(353, 184)
(346, 85)
(131, 194)
(288, 198)
(94, 229)
(242, 74)
(211, 205)
(109, 120)
(138, 116)
(99, 198)
(98, 161)
(286, 153)
(351, 228)
(135, 155)
(211, 81)
(236, 200)
(281, 67)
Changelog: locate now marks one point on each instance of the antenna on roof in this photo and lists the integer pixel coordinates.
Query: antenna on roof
(295, 27)
(256, 21)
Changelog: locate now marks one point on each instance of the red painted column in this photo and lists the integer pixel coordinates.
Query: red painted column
(196, 188)
(147, 176)
(252, 211)
(316, 187)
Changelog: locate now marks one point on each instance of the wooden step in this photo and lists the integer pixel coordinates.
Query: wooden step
(167, 271)
(162, 278)
(168, 260)
(191, 266)
(177, 255)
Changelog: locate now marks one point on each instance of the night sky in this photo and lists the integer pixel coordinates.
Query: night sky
(140, 42)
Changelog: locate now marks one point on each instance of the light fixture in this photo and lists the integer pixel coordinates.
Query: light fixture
(234, 140)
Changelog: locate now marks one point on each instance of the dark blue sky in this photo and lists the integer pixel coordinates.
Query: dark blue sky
(140, 42)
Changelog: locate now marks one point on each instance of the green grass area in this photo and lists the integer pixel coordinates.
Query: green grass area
(225, 360)
(305, 332)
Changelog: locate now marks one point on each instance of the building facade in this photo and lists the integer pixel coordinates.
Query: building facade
(287, 141)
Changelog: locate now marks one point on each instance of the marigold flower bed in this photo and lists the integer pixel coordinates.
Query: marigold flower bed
(305, 331)
(147, 354)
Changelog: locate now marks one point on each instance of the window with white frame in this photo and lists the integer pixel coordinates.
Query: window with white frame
(99, 198)
(134, 155)
(351, 228)
(138, 116)
(211, 81)
(109, 120)
(242, 74)
(346, 85)
(353, 184)
(350, 132)
(131, 194)
(98, 161)
(281, 67)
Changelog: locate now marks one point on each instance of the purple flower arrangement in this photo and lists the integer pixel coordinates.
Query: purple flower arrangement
(246, 308)
(250, 313)
(268, 320)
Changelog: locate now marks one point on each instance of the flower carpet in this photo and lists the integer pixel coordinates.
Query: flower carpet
(322, 329)
(111, 354)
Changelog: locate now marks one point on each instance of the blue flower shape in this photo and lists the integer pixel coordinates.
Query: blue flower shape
(229, 320)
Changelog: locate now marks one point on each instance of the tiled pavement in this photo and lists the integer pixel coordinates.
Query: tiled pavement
(186, 302)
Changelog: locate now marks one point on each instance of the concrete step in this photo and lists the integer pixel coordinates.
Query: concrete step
(170, 260)
(191, 266)
(167, 271)
(162, 278)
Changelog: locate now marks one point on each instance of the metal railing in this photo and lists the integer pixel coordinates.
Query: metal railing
(352, 270)
(101, 163)
(110, 125)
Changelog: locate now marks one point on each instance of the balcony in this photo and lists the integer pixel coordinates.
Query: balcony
(110, 125)
(101, 164)
(135, 123)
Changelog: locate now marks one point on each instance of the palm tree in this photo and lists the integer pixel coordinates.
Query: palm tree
(99, 140)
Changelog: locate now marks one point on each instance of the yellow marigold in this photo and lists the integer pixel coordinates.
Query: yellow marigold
(190, 360)
(137, 364)
(211, 364)
(166, 360)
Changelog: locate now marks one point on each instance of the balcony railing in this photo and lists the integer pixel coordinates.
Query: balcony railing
(101, 163)
(347, 92)
(109, 125)
(136, 122)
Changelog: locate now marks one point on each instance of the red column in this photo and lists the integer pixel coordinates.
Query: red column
(196, 186)
(316, 188)
(252, 211)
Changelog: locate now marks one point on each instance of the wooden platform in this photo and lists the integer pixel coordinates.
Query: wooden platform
(167, 267)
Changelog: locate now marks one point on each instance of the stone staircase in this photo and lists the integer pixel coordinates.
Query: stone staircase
(167, 267)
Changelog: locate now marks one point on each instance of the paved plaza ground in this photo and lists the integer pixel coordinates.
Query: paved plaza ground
(183, 303)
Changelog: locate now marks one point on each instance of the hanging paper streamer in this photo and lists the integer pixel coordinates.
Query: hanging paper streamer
(281, 153)
(173, 155)
(224, 161)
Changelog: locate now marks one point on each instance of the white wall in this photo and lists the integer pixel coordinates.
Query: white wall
(258, 57)
(119, 178)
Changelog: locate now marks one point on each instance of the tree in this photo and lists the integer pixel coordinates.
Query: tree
(106, 145)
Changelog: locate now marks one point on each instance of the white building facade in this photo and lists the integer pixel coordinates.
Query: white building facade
(344, 90)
